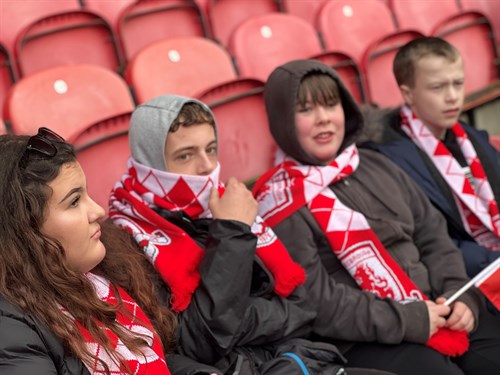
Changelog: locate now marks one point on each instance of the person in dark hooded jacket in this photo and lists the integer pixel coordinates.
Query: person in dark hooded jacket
(379, 262)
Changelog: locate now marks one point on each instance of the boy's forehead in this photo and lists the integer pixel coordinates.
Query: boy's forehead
(436, 65)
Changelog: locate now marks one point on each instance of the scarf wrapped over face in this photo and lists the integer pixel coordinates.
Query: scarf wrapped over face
(174, 254)
(472, 193)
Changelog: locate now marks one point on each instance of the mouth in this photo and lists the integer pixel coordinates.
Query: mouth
(97, 234)
(452, 112)
(324, 136)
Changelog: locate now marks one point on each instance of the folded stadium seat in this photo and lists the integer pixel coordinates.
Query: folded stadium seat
(143, 23)
(495, 141)
(422, 16)
(350, 26)
(225, 15)
(305, 9)
(3, 128)
(491, 9)
(110, 10)
(7, 75)
(348, 71)
(50, 41)
(66, 99)
(16, 15)
(380, 84)
(182, 65)
(471, 33)
(246, 147)
(104, 140)
(264, 42)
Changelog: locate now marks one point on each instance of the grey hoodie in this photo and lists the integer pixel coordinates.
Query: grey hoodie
(149, 126)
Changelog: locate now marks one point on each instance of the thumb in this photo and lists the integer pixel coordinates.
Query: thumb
(214, 197)
(440, 300)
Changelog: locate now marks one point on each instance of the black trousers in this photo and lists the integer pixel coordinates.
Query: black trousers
(482, 358)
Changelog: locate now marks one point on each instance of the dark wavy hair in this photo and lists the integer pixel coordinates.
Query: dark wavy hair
(35, 277)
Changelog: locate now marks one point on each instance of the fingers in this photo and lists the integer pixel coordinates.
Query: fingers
(437, 316)
(461, 318)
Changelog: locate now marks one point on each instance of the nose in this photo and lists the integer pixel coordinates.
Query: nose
(451, 94)
(322, 115)
(96, 212)
(205, 165)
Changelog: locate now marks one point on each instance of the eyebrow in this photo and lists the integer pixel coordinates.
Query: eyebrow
(71, 192)
(189, 148)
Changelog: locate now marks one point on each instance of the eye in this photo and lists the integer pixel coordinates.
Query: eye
(183, 157)
(212, 150)
(304, 108)
(74, 201)
(332, 103)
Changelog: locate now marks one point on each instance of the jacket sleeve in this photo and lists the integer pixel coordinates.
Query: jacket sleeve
(223, 314)
(344, 311)
(181, 365)
(22, 350)
(442, 258)
(476, 257)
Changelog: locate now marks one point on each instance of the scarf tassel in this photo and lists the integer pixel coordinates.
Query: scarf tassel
(448, 342)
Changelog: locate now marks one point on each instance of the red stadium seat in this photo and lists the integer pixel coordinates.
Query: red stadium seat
(264, 42)
(145, 22)
(350, 26)
(490, 9)
(471, 34)
(182, 66)
(246, 147)
(3, 128)
(50, 42)
(422, 16)
(226, 15)
(305, 9)
(105, 140)
(348, 71)
(16, 15)
(380, 83)
(7, 75)
(495, 141)
(110, 10)
(67, 99)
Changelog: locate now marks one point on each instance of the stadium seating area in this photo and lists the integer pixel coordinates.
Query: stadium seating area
(81, 66)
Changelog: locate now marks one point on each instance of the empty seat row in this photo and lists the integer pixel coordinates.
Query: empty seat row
(90, 106)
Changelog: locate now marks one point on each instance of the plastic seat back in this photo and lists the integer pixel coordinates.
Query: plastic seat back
(422, 16)
(348, 71)
(7, 75)
(146, 22)
(246, 147)
(264, 42)
(495, 141)
(490, 9)
(380, 83)
(67, 99)
(105, 140)
(50, 42)
(109, 10)
(226, 15)
(182, 66)
(471, 34)
(16, 15)
(350, 26)
(3, 128)
(305, 9)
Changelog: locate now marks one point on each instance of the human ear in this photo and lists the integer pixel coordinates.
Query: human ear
(406, 93)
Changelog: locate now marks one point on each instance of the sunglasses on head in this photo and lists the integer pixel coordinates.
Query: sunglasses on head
(42, 143)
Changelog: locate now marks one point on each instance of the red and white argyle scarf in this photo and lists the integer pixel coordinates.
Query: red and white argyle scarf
(475, 201)
(150, 361)
(290, 185)
(172, 251)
